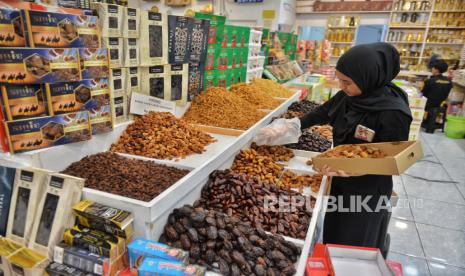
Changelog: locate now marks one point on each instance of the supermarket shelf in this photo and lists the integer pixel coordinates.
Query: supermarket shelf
(419, 73)
(448, 10)
(410, 57)
(342, 42)
(335, 27)
(447, 27)
(344, 12)
(417, 11)
(444, 43)
(404, 42)
(407, 27)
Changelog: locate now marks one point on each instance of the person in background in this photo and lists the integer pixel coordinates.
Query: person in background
(438, 86)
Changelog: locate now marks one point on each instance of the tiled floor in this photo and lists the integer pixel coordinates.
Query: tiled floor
(428, 225)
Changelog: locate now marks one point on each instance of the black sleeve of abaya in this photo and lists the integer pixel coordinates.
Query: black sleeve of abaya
(427, 88)
(317, 117)
(392, 126)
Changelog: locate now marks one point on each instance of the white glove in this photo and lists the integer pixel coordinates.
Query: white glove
(279, 132)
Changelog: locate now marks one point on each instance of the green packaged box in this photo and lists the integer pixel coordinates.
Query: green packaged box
(234, 33)
(215, 22)
(238, 77)
(223, 58)
(224, 79)
(210, 79)
(244, 57)
(222, 36)
(211, 57)
(245, 37)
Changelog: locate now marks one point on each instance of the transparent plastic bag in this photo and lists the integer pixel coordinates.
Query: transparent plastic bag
(279, 132)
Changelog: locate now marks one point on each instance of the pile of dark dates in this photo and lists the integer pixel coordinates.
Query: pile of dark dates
(310, 141)
(303, 106)
(244, 198)
(225, 244)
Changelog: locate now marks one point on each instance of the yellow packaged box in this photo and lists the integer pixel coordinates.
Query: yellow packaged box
(391, 158)
(27, 262)
(7, 248)
(24, 101)
(89, 242)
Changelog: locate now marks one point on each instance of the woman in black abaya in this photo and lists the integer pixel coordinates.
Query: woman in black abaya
(367, 101)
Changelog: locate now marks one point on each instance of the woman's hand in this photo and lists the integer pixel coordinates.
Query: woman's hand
(328, 171)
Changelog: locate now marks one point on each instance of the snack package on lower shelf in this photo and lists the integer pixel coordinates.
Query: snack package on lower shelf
(56, 269)
(54, 212)
(31, 134)
(104, 218)
(90, 242)
(141, 248)
(27, 190)
(154, 267)
(27, 262)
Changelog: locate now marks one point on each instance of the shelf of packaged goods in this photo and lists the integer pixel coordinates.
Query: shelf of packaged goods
(404, 42)
(335, 56)
(447, 27)
(345, 12)
(407, 27)
(410, 57)
(445, 43)
(417, 11)
(336, 27)
(419, 73)
(342, 42)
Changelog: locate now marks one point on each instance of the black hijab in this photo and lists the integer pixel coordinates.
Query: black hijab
(372, 67)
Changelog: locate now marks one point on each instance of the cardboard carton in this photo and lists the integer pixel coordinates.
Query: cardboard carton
(178, 82)
(11, 28)
(153, 38)
(115, 51)
(400, 156)
(24, 101)
(7, 248)
(131, 22)
(110, 19)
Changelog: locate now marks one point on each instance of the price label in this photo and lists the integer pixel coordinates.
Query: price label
(142, 104)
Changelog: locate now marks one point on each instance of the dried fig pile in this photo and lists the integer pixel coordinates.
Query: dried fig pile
(161, 135)
(310, 141)
(244, 198)
(112, 173)
(303, 106)
(225, 244)
(354, 151)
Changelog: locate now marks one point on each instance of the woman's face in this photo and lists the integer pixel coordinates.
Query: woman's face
(348, 85)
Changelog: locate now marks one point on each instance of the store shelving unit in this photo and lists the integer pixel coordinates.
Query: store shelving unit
(335, 33)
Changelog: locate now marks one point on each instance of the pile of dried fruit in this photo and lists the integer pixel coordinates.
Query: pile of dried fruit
(259, 98)
(244, 198)
(303, 106)
(310, 141)
(249, 162)
(273, 88)
(112, 173)
(291, 180)
(278, 153)
(161, 135)
(354, 151)
(220, 108)
(227, 245)
(326, 131)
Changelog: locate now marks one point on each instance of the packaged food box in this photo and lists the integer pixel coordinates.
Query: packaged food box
(223, 58)
(119, 107)
(154, 81)
(210, 79)
(31, 134)
(141, 248)
(399, 157)
(196, 72)
(117, 80)
(29, 66)
(24, 101)
(27, 262)
(215, 21)
(11, 28)
(178, 82)
(56, 269)
(81, 259)
(245, 37)
(198, 46)
(133, 81)
(89, 242)
(7, 248)
(211, 57)
(179, 38)
(131, 22)
(118, 241)
(234, 33)
(6, 188)
(131, 52)
(110, 19)
(90, 95)
(94, 63)
(153, 38)
(54, 212)
(61, 30)
(224, 78)
(114, 47)
(27, 190)
(104, 218)
(153, 267)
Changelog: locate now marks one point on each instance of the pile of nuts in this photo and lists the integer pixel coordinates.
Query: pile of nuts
(310, 141)
(245, 198)
(161, 135)
(278, 153)
(291, 180)
(112, 173)
(272, 88)
(227, 245)
(326, 131)
(354, 151)
(249, 162)
(221, 108)
(259, 98)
